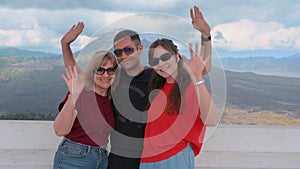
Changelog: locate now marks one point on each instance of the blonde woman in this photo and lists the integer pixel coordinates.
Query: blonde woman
(86, 117)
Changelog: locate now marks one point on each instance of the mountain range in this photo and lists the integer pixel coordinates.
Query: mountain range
(20, 52)
(33, 85)
(286, 66)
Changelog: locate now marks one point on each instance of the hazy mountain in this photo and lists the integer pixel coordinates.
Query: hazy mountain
(286, 66)
(19, 52)
(263, 93)
(35, 86)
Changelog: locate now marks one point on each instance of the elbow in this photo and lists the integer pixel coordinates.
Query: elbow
(212, 119)
(59, 132)
(211, 123)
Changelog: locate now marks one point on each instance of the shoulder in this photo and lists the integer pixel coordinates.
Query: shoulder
(145, 74)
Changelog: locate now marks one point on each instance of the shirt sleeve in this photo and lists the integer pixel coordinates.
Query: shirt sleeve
(62, 103)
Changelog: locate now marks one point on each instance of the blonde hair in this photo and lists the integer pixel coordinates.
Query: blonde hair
(99, 58)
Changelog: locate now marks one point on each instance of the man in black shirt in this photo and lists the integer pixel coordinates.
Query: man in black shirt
(130, 99)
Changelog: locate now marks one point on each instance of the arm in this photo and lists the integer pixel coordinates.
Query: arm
(209, 112)
(65, 119)
(66, 40)
(200, 24)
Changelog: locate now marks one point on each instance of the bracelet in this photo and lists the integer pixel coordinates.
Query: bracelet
(202, 81)
(205, 39)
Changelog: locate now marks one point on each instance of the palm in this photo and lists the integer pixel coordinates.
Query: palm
(73, 33)
(199, 22)
(74, 81)
(196, 64)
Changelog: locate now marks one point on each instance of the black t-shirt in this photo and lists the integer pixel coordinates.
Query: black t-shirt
(130, 101)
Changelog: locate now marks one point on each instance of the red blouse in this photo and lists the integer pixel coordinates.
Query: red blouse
(168, 134)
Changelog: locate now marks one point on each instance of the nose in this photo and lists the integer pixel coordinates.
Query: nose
(122, 56)
(160, 63)
(105, 74)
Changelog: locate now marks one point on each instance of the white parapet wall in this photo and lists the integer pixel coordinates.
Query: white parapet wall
(32, 145)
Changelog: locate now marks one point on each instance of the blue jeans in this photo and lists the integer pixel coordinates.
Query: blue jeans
(183, 160)
(72, 155)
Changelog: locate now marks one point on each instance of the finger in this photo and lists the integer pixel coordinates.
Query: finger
(81, 26)
(72, 28)
(191, 51)
(71, 72)
(78, 26)
(196, 11)
(65, 78)
(197, 49)
(184, 58)
(192, 14)
(75, 71)
(68, 73)
(199, 13)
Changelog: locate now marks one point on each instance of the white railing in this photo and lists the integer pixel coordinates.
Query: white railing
(32, 144)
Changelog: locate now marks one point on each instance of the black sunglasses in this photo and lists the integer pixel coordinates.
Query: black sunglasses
(127, 50)
(163, 57)
(100, 70)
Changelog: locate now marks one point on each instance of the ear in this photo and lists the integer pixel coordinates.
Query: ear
(140, 48)
(177, 58)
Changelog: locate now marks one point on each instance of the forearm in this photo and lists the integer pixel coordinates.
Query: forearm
(206, 56)
(209, 113)
(65, 119)
(67, 55)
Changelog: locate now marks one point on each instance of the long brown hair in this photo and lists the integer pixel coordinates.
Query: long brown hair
(182, 80)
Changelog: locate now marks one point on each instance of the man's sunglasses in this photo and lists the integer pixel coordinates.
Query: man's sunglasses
(163, 57)
(127, 50)
(100, 70)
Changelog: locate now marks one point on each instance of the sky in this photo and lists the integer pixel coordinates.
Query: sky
(238, 27)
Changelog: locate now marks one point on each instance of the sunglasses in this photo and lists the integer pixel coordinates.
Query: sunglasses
(127, 50)
(163, 57)
(100, 70)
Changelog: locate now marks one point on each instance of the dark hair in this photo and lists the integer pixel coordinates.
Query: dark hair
(125, 33)
(182, 80)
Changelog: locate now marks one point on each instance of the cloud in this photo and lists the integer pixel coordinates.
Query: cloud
(46, 21)
(249, 35)
(112, 6)
(41, 29)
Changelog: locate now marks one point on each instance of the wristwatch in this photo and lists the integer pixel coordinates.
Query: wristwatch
(204, 39)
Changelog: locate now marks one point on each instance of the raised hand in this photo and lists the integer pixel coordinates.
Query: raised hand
(74, 81)
(72, 34)
(196, 64)
(199, 22)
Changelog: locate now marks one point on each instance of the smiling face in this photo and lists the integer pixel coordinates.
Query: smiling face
(167, 68)
(104, 81)
(129, 62)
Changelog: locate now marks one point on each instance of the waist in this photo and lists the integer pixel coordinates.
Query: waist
(158, 153)
(66, 141)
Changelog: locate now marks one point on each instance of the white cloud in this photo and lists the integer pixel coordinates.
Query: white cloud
(249, 35)
(41, 24)
(41, 29)
(115, 5)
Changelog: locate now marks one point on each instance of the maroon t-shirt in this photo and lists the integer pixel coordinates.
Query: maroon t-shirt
(94, 121)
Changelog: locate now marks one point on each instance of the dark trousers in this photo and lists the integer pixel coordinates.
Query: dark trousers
(120, 162)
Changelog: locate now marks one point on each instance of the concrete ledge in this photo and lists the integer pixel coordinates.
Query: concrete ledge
(252, 160)
(32, 144)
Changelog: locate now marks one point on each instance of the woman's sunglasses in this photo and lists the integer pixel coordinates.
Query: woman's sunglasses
(163, 57)
(100, 70)
(127, 50)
